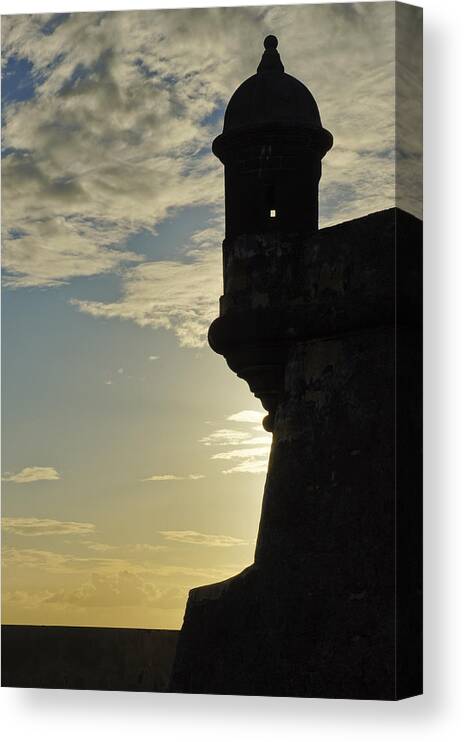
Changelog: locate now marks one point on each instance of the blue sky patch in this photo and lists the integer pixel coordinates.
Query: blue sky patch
(18, 81)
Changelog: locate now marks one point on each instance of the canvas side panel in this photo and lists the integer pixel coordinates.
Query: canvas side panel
(408, 108)
(408, 125)
(408, 464)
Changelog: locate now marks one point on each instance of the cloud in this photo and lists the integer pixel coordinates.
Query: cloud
(198, 574)
(153, 358)
(126, 548)
(250, 450)
(101, 151)
(33, 474)
(100, 547)
(224, 437)
(171, 477)
(202, 539)
(27, 600)
(122, 589)
(249, 466)
(45, 527)
(100, 591)
(117, 138)
(168, 294)
(227, 437)
(246, 416)
(255, 460)
(242, 453)
(60, 563)
(140, 548)
(57, 588)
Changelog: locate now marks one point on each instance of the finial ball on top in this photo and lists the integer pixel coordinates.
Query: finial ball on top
(270, 42)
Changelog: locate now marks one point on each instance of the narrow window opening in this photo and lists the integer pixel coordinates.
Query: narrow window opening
(271, 201)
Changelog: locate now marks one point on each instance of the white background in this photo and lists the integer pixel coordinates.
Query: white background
(437, 715)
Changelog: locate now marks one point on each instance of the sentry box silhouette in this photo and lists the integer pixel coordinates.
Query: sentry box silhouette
(325, 326)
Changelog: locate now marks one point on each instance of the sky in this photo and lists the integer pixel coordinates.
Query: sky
(134, 460)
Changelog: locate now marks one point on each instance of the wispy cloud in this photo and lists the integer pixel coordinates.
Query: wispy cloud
(224, 437)
(202, 539)
(120, 590)
(249, 466)
(117, 138)
(85, 201)
(227, 437)
(246, 416)
(45, 527)
(250, 450)
(126, 548)
(98, 546)
(124, 588)
(55, 562)
(242, 453)
(172, 477)
(142, 548)
(92, 583)
(252, 460)
(174, 295)
(32, 474)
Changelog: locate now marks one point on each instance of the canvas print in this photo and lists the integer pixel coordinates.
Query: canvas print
(212, 436)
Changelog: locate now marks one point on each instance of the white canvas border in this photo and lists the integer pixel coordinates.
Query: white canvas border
(48, 714)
